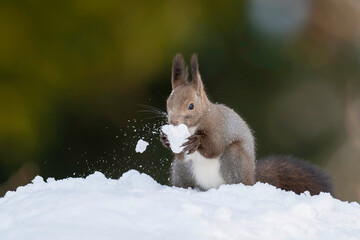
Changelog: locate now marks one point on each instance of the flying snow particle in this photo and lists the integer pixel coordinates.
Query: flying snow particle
(141, 146)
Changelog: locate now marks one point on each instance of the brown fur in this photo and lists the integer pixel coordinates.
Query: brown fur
(246, 164)
(291, 174)
(207, 138)
(179, 71)
(211, 141)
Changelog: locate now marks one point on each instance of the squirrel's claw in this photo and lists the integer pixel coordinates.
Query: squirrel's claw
(192, 144)
(164, 140)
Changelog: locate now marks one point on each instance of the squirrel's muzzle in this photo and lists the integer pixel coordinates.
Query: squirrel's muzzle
(174, 122)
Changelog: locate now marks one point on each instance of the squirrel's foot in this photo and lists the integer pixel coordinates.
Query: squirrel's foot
(164, 140)
(192, 144)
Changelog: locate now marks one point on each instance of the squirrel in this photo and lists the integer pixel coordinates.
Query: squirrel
(221, 147)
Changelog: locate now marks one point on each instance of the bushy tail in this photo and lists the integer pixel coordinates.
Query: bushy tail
(291, 174)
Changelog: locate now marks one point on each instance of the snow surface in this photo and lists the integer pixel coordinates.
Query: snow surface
(177, 136)
(141, 146)
(136, 207)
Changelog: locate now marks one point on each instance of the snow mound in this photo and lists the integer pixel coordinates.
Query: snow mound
(177, 136)
(136, 207)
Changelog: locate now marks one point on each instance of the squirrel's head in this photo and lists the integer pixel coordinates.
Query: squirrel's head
(187, 101)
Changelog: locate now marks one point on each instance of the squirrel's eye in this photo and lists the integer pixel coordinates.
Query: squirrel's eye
(191, 106)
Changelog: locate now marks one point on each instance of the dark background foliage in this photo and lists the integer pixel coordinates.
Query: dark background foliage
(73, 74)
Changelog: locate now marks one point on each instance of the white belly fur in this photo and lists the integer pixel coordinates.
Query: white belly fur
(206, 171)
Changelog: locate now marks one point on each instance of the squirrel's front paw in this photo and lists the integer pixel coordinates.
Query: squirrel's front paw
(164, 140)
(192, 144)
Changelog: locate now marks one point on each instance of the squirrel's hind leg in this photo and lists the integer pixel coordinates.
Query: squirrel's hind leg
(181, 175)
(237, 166)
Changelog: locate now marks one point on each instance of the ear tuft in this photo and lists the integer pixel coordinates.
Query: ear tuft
(194, 66)
(179, 71)
(195, 74)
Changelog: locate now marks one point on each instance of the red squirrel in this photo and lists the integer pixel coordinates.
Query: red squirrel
(221, 148)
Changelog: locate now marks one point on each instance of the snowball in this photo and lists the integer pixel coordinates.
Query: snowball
(141, 146)
(177, 136)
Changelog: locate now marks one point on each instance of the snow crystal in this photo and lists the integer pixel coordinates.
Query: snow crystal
(177, 136)
(141, 146)
(137, 207)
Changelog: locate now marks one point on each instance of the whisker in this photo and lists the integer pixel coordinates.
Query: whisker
(152, 112)
(151, 118)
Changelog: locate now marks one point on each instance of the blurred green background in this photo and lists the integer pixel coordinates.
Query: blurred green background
(73, 74)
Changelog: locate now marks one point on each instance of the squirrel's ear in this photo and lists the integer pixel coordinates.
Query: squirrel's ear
(179, 72)
(195, 74)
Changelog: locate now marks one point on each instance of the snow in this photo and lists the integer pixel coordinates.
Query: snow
(177, 136)
(141, 146)
(136, 207)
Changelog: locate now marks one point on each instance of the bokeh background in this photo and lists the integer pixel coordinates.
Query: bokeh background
(74, 75)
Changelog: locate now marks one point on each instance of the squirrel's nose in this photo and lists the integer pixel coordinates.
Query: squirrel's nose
(174, 122)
